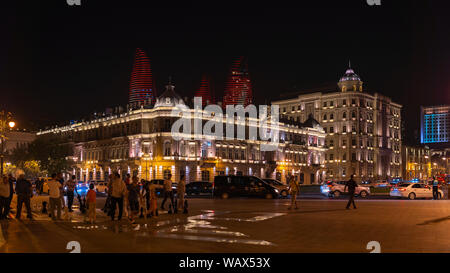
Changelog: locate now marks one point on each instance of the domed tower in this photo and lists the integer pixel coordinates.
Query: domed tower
(350, 81)
(169, 98)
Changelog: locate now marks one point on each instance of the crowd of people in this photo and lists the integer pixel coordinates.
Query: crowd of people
(134, 198)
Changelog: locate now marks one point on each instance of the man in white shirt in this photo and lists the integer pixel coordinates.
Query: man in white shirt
(117, 190)
(168, 193)
(54, 191)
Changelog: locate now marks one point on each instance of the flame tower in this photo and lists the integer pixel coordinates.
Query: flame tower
(238, 88)
(141, 84)
(205, 91)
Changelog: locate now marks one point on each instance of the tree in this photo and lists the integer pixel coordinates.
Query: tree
(45, 154)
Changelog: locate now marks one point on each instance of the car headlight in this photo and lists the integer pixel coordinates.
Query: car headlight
(277, 191)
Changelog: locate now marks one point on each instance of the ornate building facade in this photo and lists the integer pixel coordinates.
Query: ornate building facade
(140, 142)
(416, 161)
(363, 130)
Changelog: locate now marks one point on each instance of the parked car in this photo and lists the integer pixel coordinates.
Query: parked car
(336, 189)
(36, 202)
(381, 184)
(160, 186)
(199, 187)
(101, 186)
(277, 184)
(414, 190)
(82, 188)
(226, 186)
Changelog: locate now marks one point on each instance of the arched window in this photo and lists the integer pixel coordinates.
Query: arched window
(344, 115)
(166, 173)
(205, 175)
(325, 117)
(182, 149)
(353, 114)
(167, 151)
(331, 116)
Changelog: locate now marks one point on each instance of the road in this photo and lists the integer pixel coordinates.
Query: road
(247, 225)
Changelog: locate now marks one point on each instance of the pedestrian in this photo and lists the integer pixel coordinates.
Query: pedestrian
(181, 190)
(11, 181)
(4, 196)
(54, 187)
(143, 199)
(91, 203)
(133, 198)
(126, 205)
(24, 191)
(41, 186)
(36, 186)
(435, 188)
(153, 200)
(70, 191)
(127, 179)
(168, 193)
(107, 206)
(293, 189)
(60, 179)
(117, 189)
(351, 185)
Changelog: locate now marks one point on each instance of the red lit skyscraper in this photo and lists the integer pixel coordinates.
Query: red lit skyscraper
(205, 91)
(238, 88)
(141, 84)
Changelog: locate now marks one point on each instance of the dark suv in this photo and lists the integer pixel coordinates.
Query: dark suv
(226, 186)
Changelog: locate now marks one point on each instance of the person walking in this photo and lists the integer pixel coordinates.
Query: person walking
(24, 191)
(126, 180)
(435, 188)
(54, 190)
(91, 197)
(11, 181)
(153, 201)
(181, 190)
(351, 185)
(168, 193)
(107, 207)
(60, 179)
(70, 191)
(4, 196)
(294, 189)
(133, 198)
(117, 189)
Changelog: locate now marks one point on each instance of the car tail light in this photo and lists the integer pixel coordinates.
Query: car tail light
(402, 189)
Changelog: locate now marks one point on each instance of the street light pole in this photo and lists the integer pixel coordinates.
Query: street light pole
(5, 122)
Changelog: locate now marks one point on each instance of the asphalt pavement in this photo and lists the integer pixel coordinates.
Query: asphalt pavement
(245, 225)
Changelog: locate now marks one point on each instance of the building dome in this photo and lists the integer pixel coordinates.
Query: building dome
(169, 98)
(350, 81)
(350, 75)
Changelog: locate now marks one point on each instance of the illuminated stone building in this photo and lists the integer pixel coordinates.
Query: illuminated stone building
(140, 142)
(363, 130)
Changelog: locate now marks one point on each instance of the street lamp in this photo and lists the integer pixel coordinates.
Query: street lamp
(5, 124)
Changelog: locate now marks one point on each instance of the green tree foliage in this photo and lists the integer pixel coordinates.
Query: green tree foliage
(50, 153)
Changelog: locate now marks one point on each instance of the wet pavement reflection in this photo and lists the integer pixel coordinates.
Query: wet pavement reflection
(197, 227)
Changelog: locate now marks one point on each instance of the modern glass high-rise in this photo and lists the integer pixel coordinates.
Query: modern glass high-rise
(141, 84)
(435, 124)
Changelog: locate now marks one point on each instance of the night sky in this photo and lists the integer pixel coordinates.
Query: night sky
(59, 63)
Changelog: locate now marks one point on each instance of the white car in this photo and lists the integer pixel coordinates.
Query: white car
(336, 189)
(35, 202)
(413, 191)
(101, 186)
